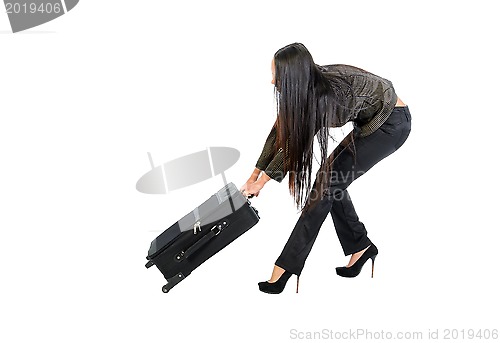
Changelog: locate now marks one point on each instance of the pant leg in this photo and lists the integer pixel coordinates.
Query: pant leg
(369, 151)
(304, 234)
(348, 165)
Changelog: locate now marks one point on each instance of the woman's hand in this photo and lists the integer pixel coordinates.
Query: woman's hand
(255, 175)
(244, 188)
(252, 187)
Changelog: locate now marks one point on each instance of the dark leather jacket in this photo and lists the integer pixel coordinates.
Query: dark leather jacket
(371, 103)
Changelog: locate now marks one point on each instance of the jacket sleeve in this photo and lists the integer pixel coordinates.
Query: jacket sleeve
(270, 161)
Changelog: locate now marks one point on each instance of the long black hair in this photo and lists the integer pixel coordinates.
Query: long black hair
(307, 104)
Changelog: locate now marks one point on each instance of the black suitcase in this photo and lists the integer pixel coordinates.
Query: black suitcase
(200, 234)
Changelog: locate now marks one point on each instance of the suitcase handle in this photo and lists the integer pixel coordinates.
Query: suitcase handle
(214, 231)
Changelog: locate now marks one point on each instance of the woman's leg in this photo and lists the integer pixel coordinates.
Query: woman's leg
(369, 151)
(326, 191)
(348, 164)
(302, 238)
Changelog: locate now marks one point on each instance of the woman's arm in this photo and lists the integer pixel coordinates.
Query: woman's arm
(269, 166)
(268, 150)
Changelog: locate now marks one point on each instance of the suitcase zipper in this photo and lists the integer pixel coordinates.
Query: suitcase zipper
(197, 224)
(197, 227)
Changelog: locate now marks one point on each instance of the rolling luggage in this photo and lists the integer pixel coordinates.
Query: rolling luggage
(200, 234)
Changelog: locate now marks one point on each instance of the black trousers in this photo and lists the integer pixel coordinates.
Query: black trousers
(351, 159)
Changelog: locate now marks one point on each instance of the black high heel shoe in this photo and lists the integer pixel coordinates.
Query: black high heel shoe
(355, 269)
(278, 286)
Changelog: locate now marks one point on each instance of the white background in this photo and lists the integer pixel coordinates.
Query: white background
(85, 97)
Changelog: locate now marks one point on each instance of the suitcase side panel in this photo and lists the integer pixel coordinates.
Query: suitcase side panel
(238, 223)
(218, 206)
(163, 240)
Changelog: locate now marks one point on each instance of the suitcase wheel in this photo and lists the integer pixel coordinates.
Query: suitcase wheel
(165, 289)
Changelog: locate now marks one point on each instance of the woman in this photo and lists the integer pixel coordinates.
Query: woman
(310, 100)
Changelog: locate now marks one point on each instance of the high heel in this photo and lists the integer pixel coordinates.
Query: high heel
(355, 269)
(279, 285)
